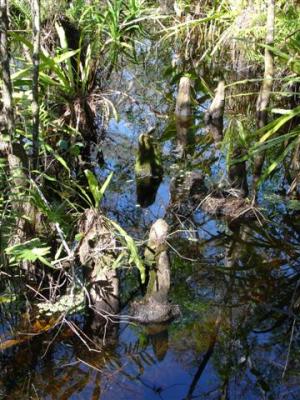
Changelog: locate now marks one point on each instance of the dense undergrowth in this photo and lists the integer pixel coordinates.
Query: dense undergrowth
(82, 44)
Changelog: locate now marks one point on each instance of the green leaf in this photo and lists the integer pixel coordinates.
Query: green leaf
(79, 236)
(95, 189)
(277, 162)
(21, 73)
(84, 196)
(48, 62)
(294, 205)
(85, 70)
(118, 260)
(31, 250)
(105, 184)
(45, 79)
(65, 56)
(131, 246)
(7, 299)
(64, 44)
(62, 161)
(281, 111)
(275, 125)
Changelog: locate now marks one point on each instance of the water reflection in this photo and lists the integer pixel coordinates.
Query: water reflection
(148, 170)
(146, 189)
(237, 286)
(238, 336)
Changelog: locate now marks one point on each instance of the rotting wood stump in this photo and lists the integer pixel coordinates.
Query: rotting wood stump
(155, 307)
(184, 117)
(97, 253)
(215, 113)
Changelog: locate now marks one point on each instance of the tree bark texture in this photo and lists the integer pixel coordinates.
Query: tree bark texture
(155, 307)
(156, 254)
(35, 11)
(183, 116)
(215, 114)
(14, 161)
(97, 253)
(14, 152)
(5, 58)
(264, 96)
(183, 102)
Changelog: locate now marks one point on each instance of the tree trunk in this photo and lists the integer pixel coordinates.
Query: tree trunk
(183, 115)
(215, 114)
(292, 164)
(264, 96)
(14, 161)
(7, 86)
(155, 307)
(35, 10)
(293, 171)
(97, 253)
(156, 254)
(14, 152)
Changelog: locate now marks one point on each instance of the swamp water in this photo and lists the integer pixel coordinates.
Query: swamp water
(237, 287)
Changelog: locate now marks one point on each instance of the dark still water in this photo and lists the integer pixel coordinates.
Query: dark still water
(238, 336)
(237, 286)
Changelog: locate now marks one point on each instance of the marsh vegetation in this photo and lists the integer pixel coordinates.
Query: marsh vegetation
(149, 202)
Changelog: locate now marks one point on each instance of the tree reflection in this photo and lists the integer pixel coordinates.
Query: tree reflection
(255, 285)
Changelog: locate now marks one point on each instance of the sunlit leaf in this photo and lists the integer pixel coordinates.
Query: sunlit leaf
(7, 299)
(62, 162)
(31, 250)
(131, 246)
(96, 190)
